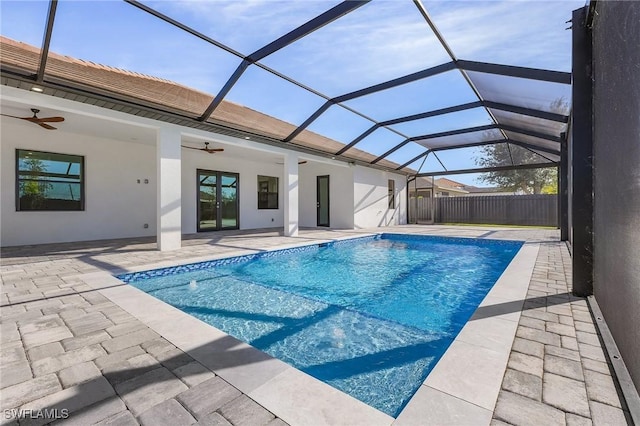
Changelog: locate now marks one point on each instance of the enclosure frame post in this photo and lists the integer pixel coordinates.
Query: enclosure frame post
(582, 156)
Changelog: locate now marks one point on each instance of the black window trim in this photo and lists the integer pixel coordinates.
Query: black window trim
(277, 192)
(391, 190)
(17, 181)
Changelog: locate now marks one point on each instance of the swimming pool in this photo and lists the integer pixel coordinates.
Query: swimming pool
(370, 316)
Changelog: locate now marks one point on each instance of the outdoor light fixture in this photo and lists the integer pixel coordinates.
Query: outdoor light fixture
(37, 89)
(247, 137)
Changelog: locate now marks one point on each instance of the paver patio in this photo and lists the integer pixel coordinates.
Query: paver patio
(66, 345)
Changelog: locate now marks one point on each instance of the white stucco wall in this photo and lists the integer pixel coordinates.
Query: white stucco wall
(115, 204)
(371, 204)
(340, 194)
(250, 216)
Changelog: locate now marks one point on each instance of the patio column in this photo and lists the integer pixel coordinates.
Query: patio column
(291, 195)
(169, 182)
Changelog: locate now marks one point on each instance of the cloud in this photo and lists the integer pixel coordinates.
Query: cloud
(244, 25)
(530, 33)
(385, 39)
(379, 41)
(388, 39)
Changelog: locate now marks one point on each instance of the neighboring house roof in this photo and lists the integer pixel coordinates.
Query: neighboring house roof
(448, 183)
(444, 184)
(167, 95)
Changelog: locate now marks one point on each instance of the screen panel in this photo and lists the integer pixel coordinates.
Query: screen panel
(377, 42)
(535, 94)
(462, 158)
(430, 93)
(265, 92)
(529, 34)
(340, 124)
(463, 138)
(446, 122)
(406, 153)
(522, 155)
(379, 142)
(431, 164)
(245, 26)
(533, 140)
(23, 22)
(526, 122)
(143, 47)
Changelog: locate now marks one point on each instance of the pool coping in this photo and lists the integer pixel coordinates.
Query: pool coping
(462, 388)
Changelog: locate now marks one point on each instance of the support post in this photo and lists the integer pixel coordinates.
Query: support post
(291, 184)
(563, 191)
(169, 184)
(582, 156)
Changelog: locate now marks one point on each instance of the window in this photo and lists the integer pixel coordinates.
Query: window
(392, 193)
(48, 181)
(444, 194)
(267, 192)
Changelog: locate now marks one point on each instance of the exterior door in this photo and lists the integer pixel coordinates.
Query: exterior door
(217, 200)
(322, 192)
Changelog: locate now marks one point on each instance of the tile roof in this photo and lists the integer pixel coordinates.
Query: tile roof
(452, 185)
(166, 95)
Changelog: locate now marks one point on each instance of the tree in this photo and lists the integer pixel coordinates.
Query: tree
(35, 189)
(526, 181)
(552, 188)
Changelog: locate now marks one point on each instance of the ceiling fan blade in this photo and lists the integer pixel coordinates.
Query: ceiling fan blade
(212, 150)
(50, 119)
(299, 162)
(46, 126)
(13, 116)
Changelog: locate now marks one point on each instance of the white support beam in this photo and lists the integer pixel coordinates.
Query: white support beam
(291, 185)
(169, 198)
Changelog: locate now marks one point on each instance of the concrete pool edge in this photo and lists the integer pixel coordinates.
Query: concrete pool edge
(463, 387)
(298, 398)
(251, 371)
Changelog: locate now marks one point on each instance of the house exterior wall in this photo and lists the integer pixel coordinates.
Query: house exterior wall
(371, 204)
(250, 216)
(340, 194)
(116, 206)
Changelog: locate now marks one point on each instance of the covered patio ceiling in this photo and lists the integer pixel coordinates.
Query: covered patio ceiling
(404, 123)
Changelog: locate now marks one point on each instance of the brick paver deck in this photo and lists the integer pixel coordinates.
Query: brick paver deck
(557, 371)
(66, 346)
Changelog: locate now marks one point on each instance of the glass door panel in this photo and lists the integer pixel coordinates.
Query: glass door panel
(217, 200)
(229, 198)
(207, 201)
(323, 200)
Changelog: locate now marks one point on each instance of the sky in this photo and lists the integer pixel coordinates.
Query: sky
(379, 41)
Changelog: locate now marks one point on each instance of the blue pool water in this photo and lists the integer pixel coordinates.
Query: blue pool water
(370, 316)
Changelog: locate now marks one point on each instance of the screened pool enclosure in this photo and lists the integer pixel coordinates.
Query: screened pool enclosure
(369, 82)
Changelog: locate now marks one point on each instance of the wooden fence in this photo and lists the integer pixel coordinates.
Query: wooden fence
(539, 210)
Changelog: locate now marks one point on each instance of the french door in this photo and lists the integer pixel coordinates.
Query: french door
(218, 206)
